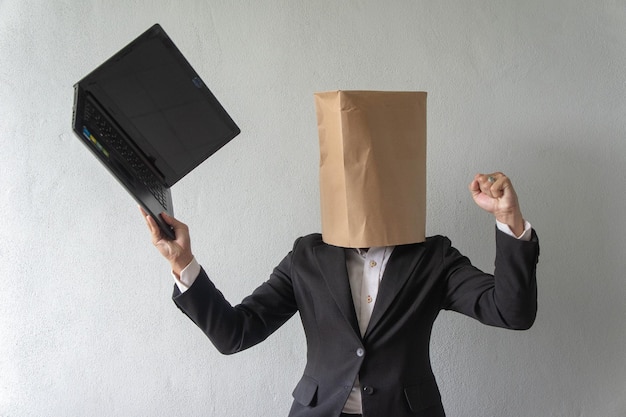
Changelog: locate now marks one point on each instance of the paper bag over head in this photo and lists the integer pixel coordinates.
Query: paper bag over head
(372, 167)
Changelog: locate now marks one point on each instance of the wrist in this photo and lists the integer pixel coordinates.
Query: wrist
(180, 263)
(514, 220)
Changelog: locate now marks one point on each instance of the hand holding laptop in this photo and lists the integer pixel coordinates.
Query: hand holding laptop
(178, 251)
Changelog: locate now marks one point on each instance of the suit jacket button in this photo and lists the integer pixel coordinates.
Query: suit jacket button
(360, 352)
(368, 390)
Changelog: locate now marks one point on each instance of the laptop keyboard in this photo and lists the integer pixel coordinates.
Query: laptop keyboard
(109, 136)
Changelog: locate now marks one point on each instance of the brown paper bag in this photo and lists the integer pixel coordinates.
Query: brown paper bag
(372, 167)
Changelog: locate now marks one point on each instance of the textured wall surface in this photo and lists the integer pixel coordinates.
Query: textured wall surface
(533, 88)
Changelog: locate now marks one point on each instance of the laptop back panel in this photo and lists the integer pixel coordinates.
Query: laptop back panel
(160, 110)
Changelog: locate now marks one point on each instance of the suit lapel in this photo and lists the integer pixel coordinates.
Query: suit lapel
(402, 262)
(331, 261)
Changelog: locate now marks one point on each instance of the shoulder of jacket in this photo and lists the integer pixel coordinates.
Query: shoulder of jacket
(307, 242)
(437, 240)
(312, 238)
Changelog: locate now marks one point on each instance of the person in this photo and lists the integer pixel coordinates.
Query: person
(368, 312)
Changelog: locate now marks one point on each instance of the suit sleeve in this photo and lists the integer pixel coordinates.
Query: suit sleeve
(508, 298)
(235, 328)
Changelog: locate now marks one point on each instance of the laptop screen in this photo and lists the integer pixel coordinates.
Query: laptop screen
(162, 104)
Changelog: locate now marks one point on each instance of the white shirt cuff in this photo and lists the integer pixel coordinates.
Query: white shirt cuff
(526, 234)
(187, 276)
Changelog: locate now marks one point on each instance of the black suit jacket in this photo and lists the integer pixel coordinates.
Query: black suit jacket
(392, 358)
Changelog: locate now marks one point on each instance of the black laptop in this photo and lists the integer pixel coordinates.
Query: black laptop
(150, 119)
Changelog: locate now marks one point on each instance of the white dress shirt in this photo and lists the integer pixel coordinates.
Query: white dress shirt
(365, 272)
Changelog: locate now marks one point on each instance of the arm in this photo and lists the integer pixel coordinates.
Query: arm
(235, 328)
(230, 329)
(508, 298)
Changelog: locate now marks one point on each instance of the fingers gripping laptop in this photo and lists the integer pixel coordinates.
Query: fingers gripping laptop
(150, 119)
